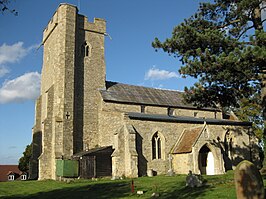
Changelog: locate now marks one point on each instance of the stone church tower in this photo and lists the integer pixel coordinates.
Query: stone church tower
(88, 127)
(73, 64)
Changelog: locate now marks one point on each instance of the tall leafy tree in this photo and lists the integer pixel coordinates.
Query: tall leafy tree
(24, 161)
(223, 45)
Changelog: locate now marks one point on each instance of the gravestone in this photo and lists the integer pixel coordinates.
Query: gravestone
(248, 181)
(193, 180)
(150, 173)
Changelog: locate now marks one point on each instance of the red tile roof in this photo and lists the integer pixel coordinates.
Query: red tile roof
(187, 140)
(6, 169)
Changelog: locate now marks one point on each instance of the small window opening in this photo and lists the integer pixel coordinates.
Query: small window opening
(86, 51)
(23, 177)
(142, 109)
(195, 114)
(170, 111)
(11, 177)
(67, 115)
(156, 147)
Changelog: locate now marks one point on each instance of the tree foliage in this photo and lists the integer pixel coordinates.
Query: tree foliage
(5, 8)
(24, 161)
(223, 45)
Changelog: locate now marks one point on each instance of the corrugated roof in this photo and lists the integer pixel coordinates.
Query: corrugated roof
(124, 93)
(187, 140)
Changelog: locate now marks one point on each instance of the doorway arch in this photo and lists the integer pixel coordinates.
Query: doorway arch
(206, 161)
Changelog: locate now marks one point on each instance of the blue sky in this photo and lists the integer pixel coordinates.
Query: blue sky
(130, 59)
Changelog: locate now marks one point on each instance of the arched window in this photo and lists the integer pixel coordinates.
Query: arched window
(85, 49)
(228, 145)
(156, 146)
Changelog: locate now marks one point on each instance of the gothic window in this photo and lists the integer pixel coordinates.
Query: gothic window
(156, 146)
(85, 49)
(229, 145)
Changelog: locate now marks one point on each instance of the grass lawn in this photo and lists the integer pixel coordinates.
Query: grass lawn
(219, 186)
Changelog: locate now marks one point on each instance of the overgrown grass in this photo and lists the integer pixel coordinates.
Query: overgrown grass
(221, 186)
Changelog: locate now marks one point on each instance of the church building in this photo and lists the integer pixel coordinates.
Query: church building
(88, 127)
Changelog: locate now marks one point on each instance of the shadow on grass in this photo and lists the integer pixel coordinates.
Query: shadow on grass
(186, 192)
(167, 188)
(101, 191)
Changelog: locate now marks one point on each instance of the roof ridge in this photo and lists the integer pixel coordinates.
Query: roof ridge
(113, 82)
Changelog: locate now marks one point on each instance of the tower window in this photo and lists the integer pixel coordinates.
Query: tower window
(156, 147)
(142, 109)
(85, 49)
(170, 111)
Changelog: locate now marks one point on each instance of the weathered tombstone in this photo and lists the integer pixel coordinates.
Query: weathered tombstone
(193, 180)
(248, 181)
(150, 173)
(155, 195)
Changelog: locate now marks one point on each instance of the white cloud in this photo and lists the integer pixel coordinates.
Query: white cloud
(25, 87)
(157, 74)
(3, 71)
(12, 53)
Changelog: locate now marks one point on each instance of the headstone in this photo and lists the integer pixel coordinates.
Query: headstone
(248, 181)
(155, 195)
(140, 192)
(193, 180)
(150, 173)
(170, 172)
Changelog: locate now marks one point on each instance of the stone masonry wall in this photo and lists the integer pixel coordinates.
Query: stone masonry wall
(112, 119)
(57, 73)
(46, 164)
(91, 77)
(183, 163)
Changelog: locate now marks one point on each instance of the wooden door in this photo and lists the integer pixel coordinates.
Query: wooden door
(88, 167)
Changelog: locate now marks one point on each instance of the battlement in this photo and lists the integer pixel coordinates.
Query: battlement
(98, 25)
(55, 19)
(50, 27)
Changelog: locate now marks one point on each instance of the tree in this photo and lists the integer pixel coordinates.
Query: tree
(223, 45)
(24, 161)
(4, 7)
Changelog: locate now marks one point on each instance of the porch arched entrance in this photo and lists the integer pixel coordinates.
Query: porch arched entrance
(206, 161)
